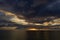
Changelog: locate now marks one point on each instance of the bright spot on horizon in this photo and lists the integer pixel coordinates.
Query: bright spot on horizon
(33, 29)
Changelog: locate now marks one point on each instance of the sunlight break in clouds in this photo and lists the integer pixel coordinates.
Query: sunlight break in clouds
(9, 16)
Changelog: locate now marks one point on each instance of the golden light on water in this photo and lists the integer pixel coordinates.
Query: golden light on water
(36, 29)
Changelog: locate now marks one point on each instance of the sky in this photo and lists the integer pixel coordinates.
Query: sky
(32, 8)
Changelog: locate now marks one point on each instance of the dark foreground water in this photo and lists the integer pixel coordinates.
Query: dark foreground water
(43, 35)
(29, 35)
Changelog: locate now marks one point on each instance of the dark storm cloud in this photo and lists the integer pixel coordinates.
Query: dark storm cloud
(52, 8)
(7, 4)
(38, 7)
